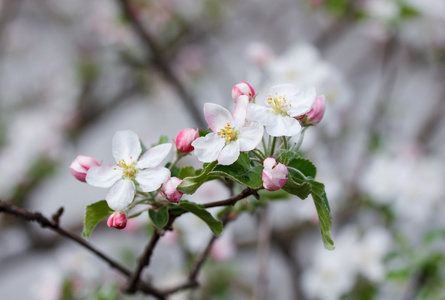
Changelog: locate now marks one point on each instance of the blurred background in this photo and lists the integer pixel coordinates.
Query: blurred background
(73, 72)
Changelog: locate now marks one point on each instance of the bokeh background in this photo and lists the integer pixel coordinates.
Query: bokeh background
(73, 72)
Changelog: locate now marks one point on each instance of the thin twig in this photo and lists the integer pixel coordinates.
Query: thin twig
(156, 58)
(232, 200)
(54, 225)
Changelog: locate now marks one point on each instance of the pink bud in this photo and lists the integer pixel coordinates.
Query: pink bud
(117, 220)
(316, 113)
(170, 191)
(274, 175)
(185, 138)
(242, 88)
(81, 165)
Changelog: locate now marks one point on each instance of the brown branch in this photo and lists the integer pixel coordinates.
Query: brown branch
(144, 260)
(54, 225)
(156, 58)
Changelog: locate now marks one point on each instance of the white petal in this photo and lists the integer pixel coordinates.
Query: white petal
(154, 156)
(217, 116)
(152, 179)
(240, 111)
(283, 126)
(288, 90)
(250, 136)
(302, 103)
(103, 176)
(229, 154)
(207, 148)
(126, 146)
(260, 113)
(121, 194)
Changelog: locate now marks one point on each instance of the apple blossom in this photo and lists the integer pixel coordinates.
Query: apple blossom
(81, 165)
(185, 138)
(243, 88)
(284, 103)
(231, 133)
(274, 175)
(146, 171)
(170, 191)
(117, 220)
(316, 113)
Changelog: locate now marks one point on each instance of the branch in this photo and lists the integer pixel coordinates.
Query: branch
(160, 62)
(54, 225)
(144, 261)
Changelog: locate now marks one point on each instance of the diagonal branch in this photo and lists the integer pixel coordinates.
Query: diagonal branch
(54, 225)
(160, 62)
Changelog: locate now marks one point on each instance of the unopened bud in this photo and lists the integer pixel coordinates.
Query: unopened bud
(274, 175)
(170, 191)
(185, 138)
(117, 220)
(316, 113)
(243, 88)
(81, 165)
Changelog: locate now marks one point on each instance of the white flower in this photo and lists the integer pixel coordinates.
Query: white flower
(231, 134)
(146, 171)
(284, 103)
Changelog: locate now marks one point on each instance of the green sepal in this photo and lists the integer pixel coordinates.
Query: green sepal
(94, 213)
(189, 185)
(199, 210)
(159, 217)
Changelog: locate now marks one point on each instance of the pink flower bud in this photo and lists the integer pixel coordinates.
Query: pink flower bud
(274, 175)
(170, 191)
(316, 113)
(81, 165)
(185, 138)
(242, 88)
(117, 220)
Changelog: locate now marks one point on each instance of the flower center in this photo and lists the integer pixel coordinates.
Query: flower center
(278, 104)
(128, 171)
(228, 133)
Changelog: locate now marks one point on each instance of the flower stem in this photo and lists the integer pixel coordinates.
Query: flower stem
(272, 148)
(285, 144)
(297, 146)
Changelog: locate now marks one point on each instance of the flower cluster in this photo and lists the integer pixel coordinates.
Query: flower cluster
(139, 177)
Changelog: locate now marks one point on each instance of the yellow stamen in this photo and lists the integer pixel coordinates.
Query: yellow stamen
(278, 104)
(228, 133)
(129, 171)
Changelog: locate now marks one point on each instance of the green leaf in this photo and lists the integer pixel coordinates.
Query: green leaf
(242, 172)
(324, 214)
(275, 195)
(286, 156)
(305, 166)
(199, 211)
(94, 213)
(184, 172)
(159, 217)
(297, 187)
(189, 185)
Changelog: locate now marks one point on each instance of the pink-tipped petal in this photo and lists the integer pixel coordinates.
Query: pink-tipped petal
(302, 103)
(126, 146)
(185, 138)
(170, 191)
(240, 111)
(154, 156)
(217, 116)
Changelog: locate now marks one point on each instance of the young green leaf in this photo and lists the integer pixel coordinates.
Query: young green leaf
(159, 217)
(297, 187)
(305, 166)
(203, 214)
(189, 185)
(94, 213)
(324, 214)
